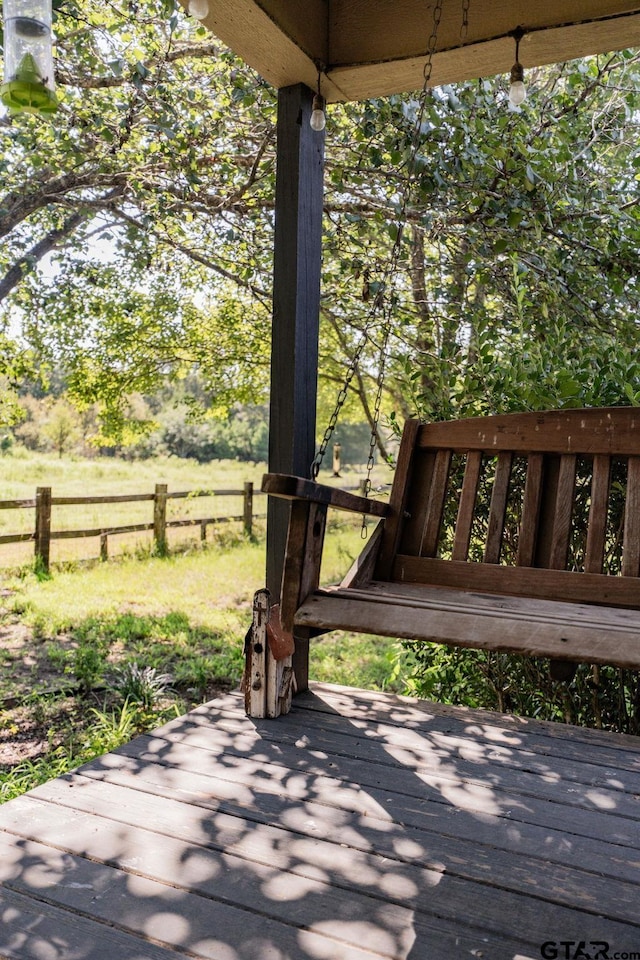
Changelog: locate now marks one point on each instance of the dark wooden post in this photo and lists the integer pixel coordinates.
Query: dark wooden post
(337, 459)
(104, 546)
(248, 508)
(43, 527)
(296, 316)
(160, 519)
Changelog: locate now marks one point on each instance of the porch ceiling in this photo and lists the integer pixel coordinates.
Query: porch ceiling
(374, 48)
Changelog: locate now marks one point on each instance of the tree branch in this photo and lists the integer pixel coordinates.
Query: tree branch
(194, 255)
(193, 51)
(19, 205)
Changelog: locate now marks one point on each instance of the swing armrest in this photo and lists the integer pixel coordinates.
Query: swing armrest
(297, 488)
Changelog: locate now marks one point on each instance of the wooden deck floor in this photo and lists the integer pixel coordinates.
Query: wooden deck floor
(361, 826)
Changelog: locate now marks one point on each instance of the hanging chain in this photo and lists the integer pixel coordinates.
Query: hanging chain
(342, 395)
(382, 301)
(431, 46)
(373, 439)
(464, 29)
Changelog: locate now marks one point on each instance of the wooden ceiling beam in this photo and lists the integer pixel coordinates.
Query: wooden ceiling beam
(284, 40)
(389, 56)
(369, 48)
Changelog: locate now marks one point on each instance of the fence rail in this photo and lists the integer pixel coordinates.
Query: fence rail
(43, 534)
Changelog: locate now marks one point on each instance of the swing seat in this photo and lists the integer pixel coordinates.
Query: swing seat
(517, 533)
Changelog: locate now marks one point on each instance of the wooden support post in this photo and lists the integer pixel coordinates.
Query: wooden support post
(248, 508)
(203, 531)
(160, 519)
(296, 308)
(279, 685)
(43, 527)
(104, 546)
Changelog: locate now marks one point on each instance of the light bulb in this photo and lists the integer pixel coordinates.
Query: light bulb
(198, 9)
(318, 118)
(517, 90)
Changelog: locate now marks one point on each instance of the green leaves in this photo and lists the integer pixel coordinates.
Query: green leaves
(517, 280)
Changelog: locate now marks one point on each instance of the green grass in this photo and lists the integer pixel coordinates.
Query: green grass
(202, 585)
(100, 636)
(23, 470)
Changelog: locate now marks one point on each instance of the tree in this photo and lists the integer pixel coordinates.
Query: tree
(516, 280)
(138, 228)
(129, 214)
(62, 427)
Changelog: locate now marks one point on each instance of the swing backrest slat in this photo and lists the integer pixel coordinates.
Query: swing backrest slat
(535, 504)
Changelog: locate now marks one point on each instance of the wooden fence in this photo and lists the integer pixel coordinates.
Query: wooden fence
(42, 535)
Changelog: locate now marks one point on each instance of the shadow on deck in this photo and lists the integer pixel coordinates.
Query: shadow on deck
(360, 826)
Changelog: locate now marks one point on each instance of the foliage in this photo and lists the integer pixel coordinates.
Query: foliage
(129, 235)
(138, 228)
(173, 628)
(88, 666)
(243, 436)
(517, 281)
(62, 428)
(110, 729)
(604, 697)
(105, 730)
(31, 773)
(176, 428)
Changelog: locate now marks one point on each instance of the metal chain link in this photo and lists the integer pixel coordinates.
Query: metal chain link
(464, 29)
(382, 300)
(343, 392)
(431, 46)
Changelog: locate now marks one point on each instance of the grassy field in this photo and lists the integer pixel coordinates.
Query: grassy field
(98, 652)
(22, 471)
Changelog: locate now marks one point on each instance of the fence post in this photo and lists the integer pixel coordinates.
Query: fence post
(248, 508)
(337, 459)
(203, 530)
(104, 546)
(43, 526)
(160, 519)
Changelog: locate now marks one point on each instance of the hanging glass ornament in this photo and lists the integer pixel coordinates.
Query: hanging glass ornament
(28, 57)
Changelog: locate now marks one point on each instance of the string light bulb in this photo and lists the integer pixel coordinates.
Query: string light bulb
(517, 90)
(198, 9)
(318, 119)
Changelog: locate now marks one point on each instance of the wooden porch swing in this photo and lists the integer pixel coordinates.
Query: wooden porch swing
(513, 574)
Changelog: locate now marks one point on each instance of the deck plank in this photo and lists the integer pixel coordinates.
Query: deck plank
(410, 711)
(360, 826)
(30, 927)
(441, 761)
(328, 849)
(583, 832)
(414, 750)
(369, 708)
